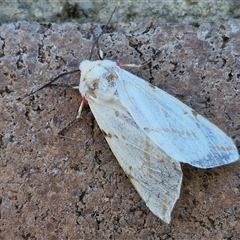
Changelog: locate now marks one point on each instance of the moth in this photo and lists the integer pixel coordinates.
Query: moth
(150, 132)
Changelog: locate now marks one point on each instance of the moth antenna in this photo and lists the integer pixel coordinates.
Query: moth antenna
(52, 81)
(144, 63)
(103, 31)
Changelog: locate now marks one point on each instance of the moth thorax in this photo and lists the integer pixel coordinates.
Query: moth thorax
(105, 87)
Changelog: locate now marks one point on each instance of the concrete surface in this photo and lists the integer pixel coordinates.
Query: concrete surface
(73, 187)
(162, 11)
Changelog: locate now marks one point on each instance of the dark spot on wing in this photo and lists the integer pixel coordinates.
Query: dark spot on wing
(152, 86)
(92, 93)
(110, 77)
(195, 114)
(95, 85)
(106, 135)
(116, 113)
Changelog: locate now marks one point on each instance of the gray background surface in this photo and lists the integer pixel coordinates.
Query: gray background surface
(163, 11)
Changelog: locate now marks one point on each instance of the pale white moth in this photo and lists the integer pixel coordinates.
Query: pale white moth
(150, 132)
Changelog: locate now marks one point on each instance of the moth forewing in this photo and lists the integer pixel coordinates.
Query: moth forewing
(177, 129)
(156, 177)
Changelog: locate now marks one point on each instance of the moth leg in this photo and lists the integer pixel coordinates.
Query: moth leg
(80, 109)
(130, 65)
(76, 87)
(84, 101)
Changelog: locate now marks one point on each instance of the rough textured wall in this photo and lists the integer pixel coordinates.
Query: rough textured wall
(73, 187)
(80, 11)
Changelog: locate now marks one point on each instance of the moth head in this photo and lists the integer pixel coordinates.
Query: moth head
(98, 79)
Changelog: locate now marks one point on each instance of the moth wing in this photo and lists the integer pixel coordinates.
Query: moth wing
(156, 176)
(182, 133)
